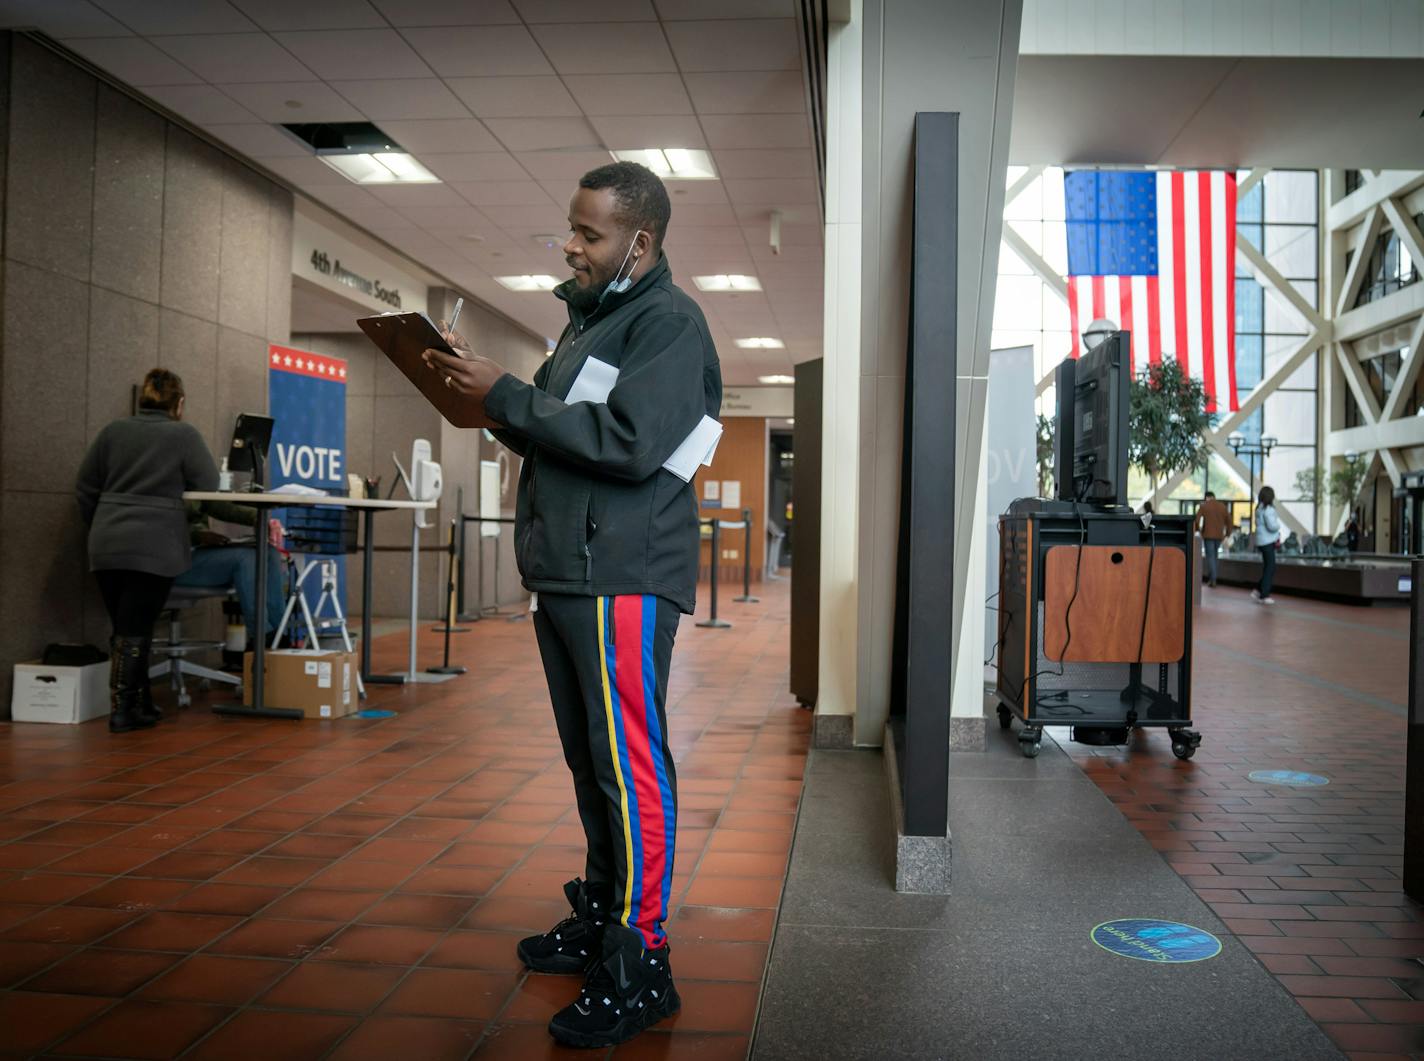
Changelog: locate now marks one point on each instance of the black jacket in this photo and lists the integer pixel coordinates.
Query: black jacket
(597, 515)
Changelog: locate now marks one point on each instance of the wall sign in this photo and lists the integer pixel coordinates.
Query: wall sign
(333, 262)
(774, 402)
(1150, 940)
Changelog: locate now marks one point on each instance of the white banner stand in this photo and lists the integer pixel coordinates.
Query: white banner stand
(423, 484)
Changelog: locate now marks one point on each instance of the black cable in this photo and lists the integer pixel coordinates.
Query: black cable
(1147, 598)
(1067, 612)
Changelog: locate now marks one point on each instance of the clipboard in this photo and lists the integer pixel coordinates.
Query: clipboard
(403, 337)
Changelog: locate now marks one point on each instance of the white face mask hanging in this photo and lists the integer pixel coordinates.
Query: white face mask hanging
(617, 286)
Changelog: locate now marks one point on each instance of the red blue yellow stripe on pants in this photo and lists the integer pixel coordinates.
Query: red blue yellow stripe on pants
(637, 745)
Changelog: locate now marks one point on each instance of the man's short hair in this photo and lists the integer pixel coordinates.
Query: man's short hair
(1210, 494)
(642, 199)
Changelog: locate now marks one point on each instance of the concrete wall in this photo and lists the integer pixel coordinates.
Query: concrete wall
(948, 57)
(127, 243)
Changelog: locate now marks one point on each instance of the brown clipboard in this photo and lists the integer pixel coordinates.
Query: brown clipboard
(403, 337)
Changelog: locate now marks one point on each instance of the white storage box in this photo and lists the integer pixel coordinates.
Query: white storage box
(59, 694)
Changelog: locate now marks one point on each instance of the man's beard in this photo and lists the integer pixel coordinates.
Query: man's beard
(585, 299)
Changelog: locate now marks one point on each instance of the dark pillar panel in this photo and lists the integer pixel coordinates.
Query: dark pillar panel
(924, 626)
(806, 563)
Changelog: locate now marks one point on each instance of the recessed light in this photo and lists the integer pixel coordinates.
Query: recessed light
(762, 342)
(776, 381)
(548, 240)
(527, 282)
(672, 163)
(473, 237)
(727, 282)
(385, 167)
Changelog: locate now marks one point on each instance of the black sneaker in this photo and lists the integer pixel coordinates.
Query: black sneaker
(626, 992)
(576, 942)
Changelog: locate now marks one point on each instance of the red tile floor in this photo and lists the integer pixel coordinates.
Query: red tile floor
(230, 888)
(1307, 878)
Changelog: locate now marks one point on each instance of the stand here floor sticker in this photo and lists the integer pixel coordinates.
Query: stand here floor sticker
(1150, 940)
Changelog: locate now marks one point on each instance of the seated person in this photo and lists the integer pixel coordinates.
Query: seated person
(218, 563)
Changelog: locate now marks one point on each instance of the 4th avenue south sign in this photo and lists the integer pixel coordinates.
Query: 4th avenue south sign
(327, 266)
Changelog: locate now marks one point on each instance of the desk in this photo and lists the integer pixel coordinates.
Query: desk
(264, 503)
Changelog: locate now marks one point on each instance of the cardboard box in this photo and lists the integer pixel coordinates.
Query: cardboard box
(320, 683)
(59, 694)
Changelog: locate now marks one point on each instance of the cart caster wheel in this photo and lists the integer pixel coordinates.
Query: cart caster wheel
(1005, 717)
(184, 700)
(1182, 750)
(1031, 742)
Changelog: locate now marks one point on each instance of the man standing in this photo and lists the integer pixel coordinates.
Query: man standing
(607, 541)
(1213, 523)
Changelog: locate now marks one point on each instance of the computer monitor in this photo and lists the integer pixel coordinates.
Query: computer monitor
(1064, 379)
(251, 436)
(1100, 401)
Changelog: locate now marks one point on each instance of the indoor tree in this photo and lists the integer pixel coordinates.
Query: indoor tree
(1047, 429)
(1167, 421)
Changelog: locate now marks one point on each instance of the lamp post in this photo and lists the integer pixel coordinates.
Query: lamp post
(1251, 451)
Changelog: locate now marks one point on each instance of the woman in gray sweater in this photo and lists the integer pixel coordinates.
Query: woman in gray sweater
(130, 489)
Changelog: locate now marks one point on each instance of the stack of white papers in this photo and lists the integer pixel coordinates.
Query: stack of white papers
(595, 382)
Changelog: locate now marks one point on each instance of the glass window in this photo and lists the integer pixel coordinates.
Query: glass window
(1291, 249)
(1290, 197)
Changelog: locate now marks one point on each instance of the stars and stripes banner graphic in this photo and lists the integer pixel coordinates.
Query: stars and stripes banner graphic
(1155, 253)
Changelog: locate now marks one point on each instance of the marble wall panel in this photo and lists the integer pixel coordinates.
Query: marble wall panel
(128, 196)
(192, 225)
(123, 346)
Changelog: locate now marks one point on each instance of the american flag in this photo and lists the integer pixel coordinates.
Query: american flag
(1156, 254)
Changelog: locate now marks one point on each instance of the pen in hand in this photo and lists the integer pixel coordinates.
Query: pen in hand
(455, 316)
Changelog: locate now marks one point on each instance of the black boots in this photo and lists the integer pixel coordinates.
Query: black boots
(627, 991)
(576, 942)
(146, 707)
(128, 676)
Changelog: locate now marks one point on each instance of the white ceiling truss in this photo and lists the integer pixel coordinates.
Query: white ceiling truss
(1388, 434)
(1318, 325)
(508, 102)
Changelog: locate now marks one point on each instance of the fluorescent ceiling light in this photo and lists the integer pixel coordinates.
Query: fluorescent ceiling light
(727, 282)
(526, 282)
(781, 381)
(672, 163)
(761, 343)
(387, 167)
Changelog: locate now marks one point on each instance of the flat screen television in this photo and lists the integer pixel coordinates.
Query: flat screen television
(1099, 417)
(251, 437)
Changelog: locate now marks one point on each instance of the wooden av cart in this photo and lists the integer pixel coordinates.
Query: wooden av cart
(1095, 624)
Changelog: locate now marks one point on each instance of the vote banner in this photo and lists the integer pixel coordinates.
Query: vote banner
(306, 396)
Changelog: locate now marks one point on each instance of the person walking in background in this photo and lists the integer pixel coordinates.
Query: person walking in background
(130, 492)
(1268, 537)
(1213, 523)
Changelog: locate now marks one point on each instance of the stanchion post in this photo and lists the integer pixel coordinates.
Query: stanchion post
(449, 627)
(1414, 756)
(712, 620)
(456, 575)
(746, 597)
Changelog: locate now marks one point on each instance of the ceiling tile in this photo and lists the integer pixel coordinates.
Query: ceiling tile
(755, 214)
(685, 192)
(504, 193)
(134, 61)
(441, 136)
(259, 140)
(730, 44)
(352, 200)
(691, 9)
(478, 166)
(544, 134)
(154, 17)
(792, 235)
(747, 92)
(629, 93)
(490, 51)
(529, 219)
(425, 97)
(272, 102)
(334, 54)
(515, 97)
(595, 48)
(767, 163)
(199, 104)
(772, 192)
(61, 19)
(573, 10)
(446, 12)
(276, 15)
(237, 58)
(448, 218)
(705, 235)
(404, 195)
(561, 165)
(308, 172)
(757, 131)
(665, 130)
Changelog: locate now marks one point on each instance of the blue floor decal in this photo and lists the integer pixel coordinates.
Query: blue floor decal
(1156, 941)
